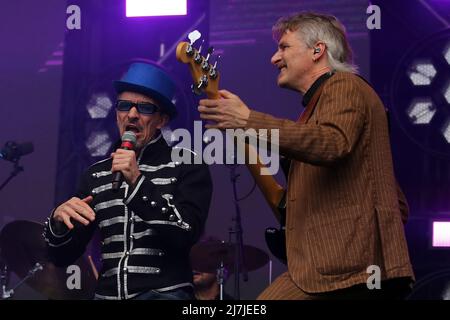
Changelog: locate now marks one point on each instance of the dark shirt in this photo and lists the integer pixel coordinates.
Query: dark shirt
(309, 94)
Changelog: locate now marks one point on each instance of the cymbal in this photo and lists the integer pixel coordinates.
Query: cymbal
(22, 246)
(206, 256)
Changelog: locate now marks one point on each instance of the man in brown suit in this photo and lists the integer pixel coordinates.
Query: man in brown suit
(344, 221)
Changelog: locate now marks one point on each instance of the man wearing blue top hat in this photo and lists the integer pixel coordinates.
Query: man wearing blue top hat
(149, 224)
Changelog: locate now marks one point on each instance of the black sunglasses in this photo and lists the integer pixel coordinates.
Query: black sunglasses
(142, 107)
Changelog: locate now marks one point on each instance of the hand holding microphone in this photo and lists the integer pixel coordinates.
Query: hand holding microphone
(124, 165)
(77, 211)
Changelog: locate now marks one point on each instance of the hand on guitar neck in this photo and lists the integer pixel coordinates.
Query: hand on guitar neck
(226, 112)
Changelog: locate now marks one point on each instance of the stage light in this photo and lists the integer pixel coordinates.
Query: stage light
(148, 8)
(420, 94)
(99, 106)
(447, 93)
(447, 53)
(441, 234)
(446, 131)
(422, 73)
(99, 144)
(421, 111)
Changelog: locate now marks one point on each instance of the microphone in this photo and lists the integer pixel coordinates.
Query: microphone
(128, 143)
(12, 151)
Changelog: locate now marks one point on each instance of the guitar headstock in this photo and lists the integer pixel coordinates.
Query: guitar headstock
(205, 75)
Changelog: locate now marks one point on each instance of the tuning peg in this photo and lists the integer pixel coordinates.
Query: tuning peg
(213, 70)
(194, 36)
(205, 63)
(196, 90)
(189, 50)
(203, 83)
(198, 57)
(201, 46)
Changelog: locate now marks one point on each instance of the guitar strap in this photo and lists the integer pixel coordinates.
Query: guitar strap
(304, 117)
(306, 114)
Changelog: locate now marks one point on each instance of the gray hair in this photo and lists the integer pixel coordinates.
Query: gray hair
(314, 27)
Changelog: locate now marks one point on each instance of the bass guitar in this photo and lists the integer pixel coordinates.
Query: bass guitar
(206, 80)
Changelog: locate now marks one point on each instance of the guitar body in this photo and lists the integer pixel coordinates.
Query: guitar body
(276, 237)
(276, 241)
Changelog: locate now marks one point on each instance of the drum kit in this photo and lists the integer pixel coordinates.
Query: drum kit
(207, 256)
(23, 251)
(218, 257)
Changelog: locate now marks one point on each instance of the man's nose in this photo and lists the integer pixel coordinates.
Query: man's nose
(133, 113)
(275, 58)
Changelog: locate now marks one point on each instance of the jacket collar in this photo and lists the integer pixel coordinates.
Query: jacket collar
(310, 93)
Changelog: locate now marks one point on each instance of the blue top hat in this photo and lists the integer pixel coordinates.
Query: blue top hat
(152, 81)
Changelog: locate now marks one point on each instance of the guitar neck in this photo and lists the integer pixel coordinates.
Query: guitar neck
(272, 191)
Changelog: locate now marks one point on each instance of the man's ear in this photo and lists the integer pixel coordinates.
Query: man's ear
(164, 121)
(318, 50)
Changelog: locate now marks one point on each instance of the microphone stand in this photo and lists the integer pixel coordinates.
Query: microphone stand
(16, 170)
(239, 265)
(4, 279)
(220, 279)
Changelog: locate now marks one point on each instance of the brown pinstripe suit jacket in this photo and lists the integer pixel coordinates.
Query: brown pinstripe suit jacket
(343, 211)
